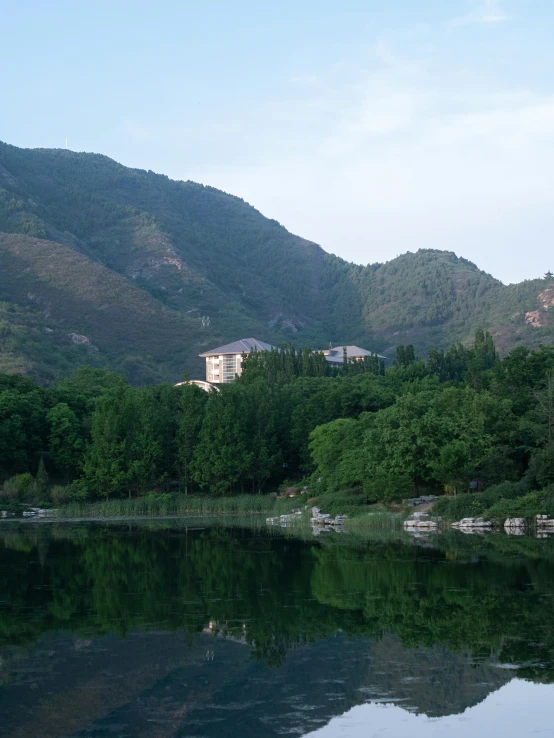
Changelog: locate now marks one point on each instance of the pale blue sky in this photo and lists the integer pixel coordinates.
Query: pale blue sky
(372, 128)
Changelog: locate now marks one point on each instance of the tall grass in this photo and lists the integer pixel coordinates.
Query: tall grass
(379, 520)
(174, 505)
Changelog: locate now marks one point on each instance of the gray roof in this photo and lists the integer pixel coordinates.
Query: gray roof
(336, 354)
(243, 346)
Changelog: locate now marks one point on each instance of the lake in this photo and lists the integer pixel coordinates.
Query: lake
(192, 628)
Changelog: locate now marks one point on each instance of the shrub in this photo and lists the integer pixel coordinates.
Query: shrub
(533, 503)
(505, 491)
(19, 487)
(61, 494)
(344, 502)
(462, 506)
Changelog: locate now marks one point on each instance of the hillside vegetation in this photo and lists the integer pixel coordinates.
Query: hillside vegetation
(108, 265)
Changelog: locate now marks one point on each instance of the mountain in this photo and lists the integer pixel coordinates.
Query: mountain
(108, 265)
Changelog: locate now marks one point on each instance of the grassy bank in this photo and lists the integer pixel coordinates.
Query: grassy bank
(506, 500)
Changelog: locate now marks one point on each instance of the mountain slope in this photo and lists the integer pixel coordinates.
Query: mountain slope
(152, 271)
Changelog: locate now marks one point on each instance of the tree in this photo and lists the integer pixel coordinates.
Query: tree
(336, 450)
(480, 359)
(435, 436)
(41, 479)
(23, 429)
(541, 466)
(259, 414)
(105, 462)
(66, 439)
(405, 355)
(192, 404)
(222, 455)
(545, 406)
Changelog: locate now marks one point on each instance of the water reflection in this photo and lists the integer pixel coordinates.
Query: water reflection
(229, 632)
(518, 709)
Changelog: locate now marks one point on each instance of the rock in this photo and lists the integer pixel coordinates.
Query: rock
(544, 522)
(472, 525)
(428, 525)
(79, 340)
(515, 523)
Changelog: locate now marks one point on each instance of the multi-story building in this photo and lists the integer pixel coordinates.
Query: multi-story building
(224, 364)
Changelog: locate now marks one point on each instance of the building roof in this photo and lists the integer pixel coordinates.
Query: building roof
(206, 386)
(242, 346)
(335, 355)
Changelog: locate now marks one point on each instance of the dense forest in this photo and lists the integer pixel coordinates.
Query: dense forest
(110, 266)
(356, 435)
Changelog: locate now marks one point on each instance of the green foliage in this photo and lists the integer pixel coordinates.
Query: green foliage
(541, 467)
(533, 503)
(18, 487)
(66, 439)
(192, 404)
(370, 436)
(41, 479)
(512, 498)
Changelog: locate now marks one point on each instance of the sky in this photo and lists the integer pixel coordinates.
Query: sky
(372, 128)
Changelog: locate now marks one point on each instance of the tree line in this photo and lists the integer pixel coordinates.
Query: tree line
(462, 414)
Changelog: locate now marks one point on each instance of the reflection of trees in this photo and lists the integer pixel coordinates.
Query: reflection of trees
(276, 594)
(425, 597)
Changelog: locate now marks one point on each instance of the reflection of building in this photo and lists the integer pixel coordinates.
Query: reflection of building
(224, 364)
(353, 353)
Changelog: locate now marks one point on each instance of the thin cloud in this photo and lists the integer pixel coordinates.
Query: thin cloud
(489, 12)
(390, 153)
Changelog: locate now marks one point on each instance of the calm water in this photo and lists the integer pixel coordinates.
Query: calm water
(217, 632)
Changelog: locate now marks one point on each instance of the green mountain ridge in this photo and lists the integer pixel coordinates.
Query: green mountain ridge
(108, 265)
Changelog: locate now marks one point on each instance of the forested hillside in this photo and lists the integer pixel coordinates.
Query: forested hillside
(114, 266)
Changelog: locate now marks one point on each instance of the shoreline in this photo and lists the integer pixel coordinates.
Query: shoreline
(391, 523)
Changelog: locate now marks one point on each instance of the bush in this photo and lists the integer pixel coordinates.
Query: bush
(462, 506)
(20, 487)
(533, 503)
(505, 491)
(343, 502)
(61, 494)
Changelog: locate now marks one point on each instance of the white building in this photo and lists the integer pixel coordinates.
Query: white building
(224, 364)
(335, 355)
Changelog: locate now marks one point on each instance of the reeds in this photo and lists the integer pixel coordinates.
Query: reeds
(176, 505)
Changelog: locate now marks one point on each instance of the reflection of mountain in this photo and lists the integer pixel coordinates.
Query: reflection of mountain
(155, 685)
(517, 709)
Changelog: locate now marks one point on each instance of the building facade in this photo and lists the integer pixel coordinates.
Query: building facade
(224, 364)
